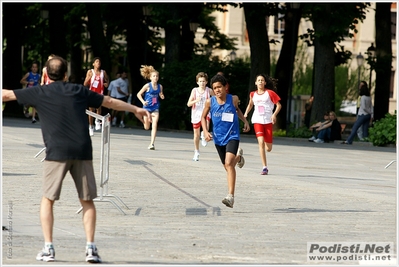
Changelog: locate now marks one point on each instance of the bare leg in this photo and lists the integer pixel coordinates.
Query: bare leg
(90, 117)
(196, 138)
(33, 113)
(230, 163)
(47, 218)
(155, 117)
(146, 123)
(262, 152)
(89, 219)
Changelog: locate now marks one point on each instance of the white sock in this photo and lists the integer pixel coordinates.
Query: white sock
(90, 244)
(48, 244)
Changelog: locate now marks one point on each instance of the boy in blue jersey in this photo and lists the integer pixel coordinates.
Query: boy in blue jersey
(225, 112)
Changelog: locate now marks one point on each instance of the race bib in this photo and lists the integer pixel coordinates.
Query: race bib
(229, 117)
(154, 100)
(261, 110)
(95, 84)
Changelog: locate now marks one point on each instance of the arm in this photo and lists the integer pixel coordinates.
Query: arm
(119, 105)
(8, 95)
(249, 107)
(240, 115)
(106, 79)
(161, 95)
(324, 126)
(88, 77)
(24, 80)
(44, 72)
(141, 92)
(205, 111)
(274, 115)
(191, 101)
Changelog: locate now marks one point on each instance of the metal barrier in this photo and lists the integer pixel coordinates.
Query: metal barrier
(104, 162)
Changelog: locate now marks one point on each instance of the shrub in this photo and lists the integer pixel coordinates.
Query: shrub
(383, 131)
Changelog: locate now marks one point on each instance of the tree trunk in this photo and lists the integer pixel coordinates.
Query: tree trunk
(136, 47)
(172, 34)
(12, 65)
(383, 65)
(56, 34)
(324, 80)
(285, 64)
(258, 43)
(75, 30)
(97, 39)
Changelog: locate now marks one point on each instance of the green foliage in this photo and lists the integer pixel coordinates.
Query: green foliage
(300, 132)
(303, 73)
(178, 79)
(383, 131)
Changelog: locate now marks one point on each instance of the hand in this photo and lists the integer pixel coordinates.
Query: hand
(106, 85)
(246, 127)
(141, 112)
(145, 103)
(161, 96)
(208, 136)
(245, 115)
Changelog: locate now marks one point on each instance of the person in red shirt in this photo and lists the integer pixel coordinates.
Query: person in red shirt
(96, 79)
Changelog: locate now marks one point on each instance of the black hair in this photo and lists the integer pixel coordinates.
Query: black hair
(271, 83)
(219, 78)
(56, 68)
(94, 59)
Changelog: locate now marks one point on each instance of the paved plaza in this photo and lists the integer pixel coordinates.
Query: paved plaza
(313, 193)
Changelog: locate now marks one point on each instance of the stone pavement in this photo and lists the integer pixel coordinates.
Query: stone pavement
(314, 193)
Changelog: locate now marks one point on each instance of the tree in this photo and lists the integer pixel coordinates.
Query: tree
(285, 63)
(384, 59)
(255, 18)
(331, 23)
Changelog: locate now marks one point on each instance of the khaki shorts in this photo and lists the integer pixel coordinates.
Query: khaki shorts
(81, 171)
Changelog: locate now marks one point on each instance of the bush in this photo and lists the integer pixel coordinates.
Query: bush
(301, 132)
(383, 131)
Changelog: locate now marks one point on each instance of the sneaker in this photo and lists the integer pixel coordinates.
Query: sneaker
(34, 120)
(98, 124)
(151, 147)
(91, 130)
(311, 139)
(203, 141)
(46, 254)
(114, 121)
(121, 125)
(92, 255)
(228, 200)
(265, 171)
(241, 162)
(196, 156)
(318, 140)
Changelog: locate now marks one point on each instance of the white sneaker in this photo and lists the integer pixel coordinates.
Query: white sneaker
(228, 200)
(203, 141)
(121, 125)
(312, 139)
(151, 147)
(114, 121)
(318, 140)
(196, 156)
(91, 130)
(98, 124)
(241, 162)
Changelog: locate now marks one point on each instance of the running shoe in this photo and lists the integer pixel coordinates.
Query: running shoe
(98, 124)
(265, 171)
(203, 141)
(241, 162)
(196, 156)
(91, 130)
(92, 255)
(151, 147)
(228, 200)
(46, 254)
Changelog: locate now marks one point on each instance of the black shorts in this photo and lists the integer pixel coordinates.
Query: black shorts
(232, 147)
